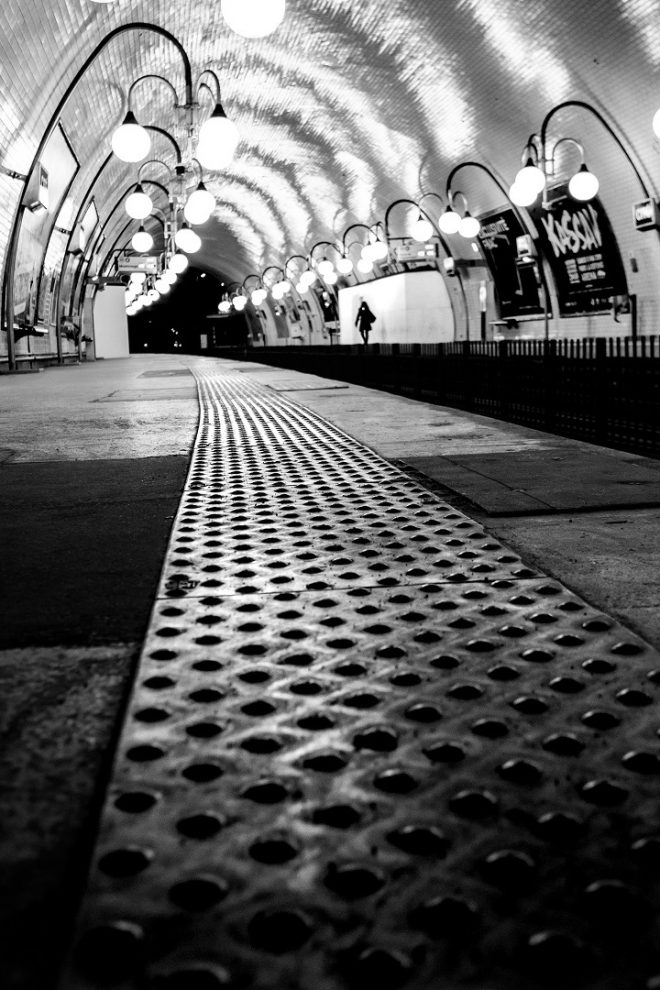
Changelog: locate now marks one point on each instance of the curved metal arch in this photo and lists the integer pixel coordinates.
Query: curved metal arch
(10, 262)
(353, 226)
(608, 127)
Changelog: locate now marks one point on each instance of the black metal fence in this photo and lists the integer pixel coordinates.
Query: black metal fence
(604, 390)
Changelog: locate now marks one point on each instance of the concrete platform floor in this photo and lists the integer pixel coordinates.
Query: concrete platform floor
(93, 463)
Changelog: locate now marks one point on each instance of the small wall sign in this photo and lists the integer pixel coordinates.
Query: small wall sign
(646, 215)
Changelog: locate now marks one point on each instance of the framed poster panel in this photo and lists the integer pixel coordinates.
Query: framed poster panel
(579, 244)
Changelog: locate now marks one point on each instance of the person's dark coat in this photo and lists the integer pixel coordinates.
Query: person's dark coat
(363, 321)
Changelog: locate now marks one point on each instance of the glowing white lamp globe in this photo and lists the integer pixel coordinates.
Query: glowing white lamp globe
(277, 291)
(224, 306)
(142, 240)
(583, 185)
(286, 286)
(253, 18)
(530, 177)
(131, 142)
(522, 195)
(147, 301)
(449, 221)
(169, 276)
(367, 253)
(330, 278)
(301, 288)
(325, 267)
(138, 277)
(469, 225)
(309, 277)
(153, 294)
(178, 263)
(422, 229)
(365, 265)
(187, 240)
(139, 205)
(379, 250)
(162, 286)
(199, 205)
(218, 140)
(345, 266)
(257, 296)
(240, 302)
(656, 123)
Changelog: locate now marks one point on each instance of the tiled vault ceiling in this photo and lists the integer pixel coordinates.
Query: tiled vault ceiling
(349, 106)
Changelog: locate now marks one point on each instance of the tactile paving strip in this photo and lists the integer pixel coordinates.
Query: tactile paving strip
(367, 746)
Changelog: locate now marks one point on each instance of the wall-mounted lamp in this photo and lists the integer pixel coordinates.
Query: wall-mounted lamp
(178, 263)
(142, 240)
(187, 240)
(452, 222)
(139, 204)
(539, 166)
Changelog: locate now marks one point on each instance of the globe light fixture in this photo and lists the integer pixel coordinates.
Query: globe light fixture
(522, 195)
(169, 276)
(187, 240)
(178, 263)
(131, 142)
(345, 266)
(379, 250)
(162, 286)
(449, 221)
(218, 140)
(142, 240)
(154, 295)
(469, 226)
(224, 306)
(253, 18)
(139, 205)
(147, 301)
(277, 291)
(583, 185)
(365, 266)
(258, 296)
(530, 177)
(422, 229)
(240, 302)
(138, 277)
(330, 278)
(308, 277)
(367, 253)
(199, 205)
(325, 267)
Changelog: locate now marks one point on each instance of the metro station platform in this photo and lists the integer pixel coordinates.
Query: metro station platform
(311, 686)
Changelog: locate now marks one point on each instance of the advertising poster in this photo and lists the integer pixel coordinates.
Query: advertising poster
(578, 241)
(516, 288)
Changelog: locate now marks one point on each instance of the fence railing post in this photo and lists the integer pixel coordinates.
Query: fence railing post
(549, 383)
(601, 389)
(503, 376)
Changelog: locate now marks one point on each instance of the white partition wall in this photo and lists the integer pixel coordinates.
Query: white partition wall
(110, 323)
(411, 307)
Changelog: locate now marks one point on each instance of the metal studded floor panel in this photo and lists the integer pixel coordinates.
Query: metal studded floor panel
(367, 746)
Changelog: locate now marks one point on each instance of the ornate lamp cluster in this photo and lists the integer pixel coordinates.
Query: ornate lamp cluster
(216, 143)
